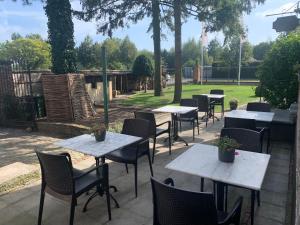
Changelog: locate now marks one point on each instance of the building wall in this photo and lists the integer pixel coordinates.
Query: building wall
(95, 91)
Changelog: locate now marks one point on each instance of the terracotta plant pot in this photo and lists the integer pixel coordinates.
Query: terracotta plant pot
(100, 135)
(227, 156)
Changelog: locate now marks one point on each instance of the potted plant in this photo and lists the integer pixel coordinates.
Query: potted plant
(227, 148)
(99, 132)
(233, 103)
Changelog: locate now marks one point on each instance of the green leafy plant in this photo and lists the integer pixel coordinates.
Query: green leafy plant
(233, 103)
(277, 73)
(116, 127)
(97, 129)
(227, 144)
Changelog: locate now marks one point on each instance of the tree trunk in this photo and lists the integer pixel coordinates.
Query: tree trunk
(145, 81)
(156, 41)
(178, 62)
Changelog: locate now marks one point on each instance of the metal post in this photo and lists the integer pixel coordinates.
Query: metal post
(104, 80)
(240, 62)
(202, 63)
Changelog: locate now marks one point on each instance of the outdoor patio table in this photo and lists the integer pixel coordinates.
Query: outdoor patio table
(266, 117)
(247, 171)
(87, 145)
(217, 97)
(175, 112)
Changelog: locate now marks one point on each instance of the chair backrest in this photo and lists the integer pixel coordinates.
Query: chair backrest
(57, 172)
(149, 117)
(137, 127)
(189, 103)
(259, 106)
(249, 140)
(176, 206)
(230, 122)
(202, 102)
(217, 91)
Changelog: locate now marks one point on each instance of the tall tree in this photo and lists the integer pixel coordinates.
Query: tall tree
(128, 52)
(215, 50)
(260, 50)
(157, 47)
(61, 36)
(34, 53)
(86, 54)
(178, 62)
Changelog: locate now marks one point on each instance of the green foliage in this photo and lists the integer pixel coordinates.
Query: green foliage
(142, 67)
(61, 36)
(215, 50)
(260, 50)
(227, 144)
(128, 52)
(35, 52)
(232, 50)
(88, 54)
(277, 74)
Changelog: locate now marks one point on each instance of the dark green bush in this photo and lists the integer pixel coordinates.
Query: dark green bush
(277, 73)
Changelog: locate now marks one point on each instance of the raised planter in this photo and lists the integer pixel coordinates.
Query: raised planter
(66, 98)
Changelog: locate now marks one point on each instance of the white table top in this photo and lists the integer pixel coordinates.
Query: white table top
(87, 144)
(214, 96)
(248, 169)
(244, 114)
(175, 109)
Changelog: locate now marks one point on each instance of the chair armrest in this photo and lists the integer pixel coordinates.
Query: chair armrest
(168, 122)
(169, 181)
(234, 216)
(89, 171)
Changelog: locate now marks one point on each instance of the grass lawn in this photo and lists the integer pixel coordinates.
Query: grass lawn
(243, 93)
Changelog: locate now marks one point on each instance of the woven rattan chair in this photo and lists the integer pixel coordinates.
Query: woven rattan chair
(191, 117)
(261, 107)
(246, 124)
(217, 101)
(131, 154)
(249, 140)
(62, 181)
(180, 207)
(204, 105)
(155, 128)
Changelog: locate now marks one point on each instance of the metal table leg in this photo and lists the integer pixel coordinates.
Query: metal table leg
(99, 191)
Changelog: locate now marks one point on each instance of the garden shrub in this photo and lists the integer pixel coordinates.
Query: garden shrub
(277, 73)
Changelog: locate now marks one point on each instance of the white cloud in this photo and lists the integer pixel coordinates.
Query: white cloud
(288, 7)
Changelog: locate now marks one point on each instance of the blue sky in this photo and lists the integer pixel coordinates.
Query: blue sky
(15, 17)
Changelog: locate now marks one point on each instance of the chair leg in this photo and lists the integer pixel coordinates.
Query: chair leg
(258, 198)
(198, 125)
(193, 130)
(202, 184)
(153, 152)
(206, 118)
(170, 143)
(268, 141)
(108, 203)
(41, 206)
(135, 179)
(252, 206)
(126, 166)
(180, 128)
(72, 211)
(150, 164)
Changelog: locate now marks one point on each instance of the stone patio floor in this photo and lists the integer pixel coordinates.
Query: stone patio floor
(21, 207)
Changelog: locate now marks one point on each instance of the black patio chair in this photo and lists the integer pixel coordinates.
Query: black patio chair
(191, 117)
(62, 181)
(204, 105)
(176, 206)
(261, 107)
(249, 140)
(244, 123)
(217, 101)
(131, 153)
(154, 128)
